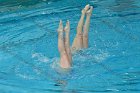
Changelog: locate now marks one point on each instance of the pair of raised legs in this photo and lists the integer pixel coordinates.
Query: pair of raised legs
(80, 40)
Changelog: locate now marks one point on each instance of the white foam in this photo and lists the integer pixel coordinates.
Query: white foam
(112, 89)
(40, 57)
(101, 57)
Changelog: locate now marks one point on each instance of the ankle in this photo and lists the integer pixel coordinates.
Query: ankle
(63, 52)
(85, 35)
(79, 35)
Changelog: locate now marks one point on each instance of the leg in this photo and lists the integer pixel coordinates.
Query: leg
(67, 41)
(64, 62)
(86, 28)
(78, 41)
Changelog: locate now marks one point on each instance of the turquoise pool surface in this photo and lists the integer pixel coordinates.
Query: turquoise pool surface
(29, 54)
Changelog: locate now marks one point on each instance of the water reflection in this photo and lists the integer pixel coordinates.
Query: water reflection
(23, 2)
(122, 5)
(12, 5)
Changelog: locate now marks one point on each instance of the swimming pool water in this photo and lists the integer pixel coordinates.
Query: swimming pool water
(28, 47)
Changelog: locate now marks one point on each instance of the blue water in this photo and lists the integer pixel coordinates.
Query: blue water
(28, 47)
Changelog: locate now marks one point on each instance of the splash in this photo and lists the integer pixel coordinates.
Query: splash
(40, 57)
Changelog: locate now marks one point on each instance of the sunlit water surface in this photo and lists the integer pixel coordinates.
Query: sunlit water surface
(29, 54)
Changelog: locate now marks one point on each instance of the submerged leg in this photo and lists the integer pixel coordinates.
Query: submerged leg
(67, 41)
(78, 41)
(64, 61)
(86, 27)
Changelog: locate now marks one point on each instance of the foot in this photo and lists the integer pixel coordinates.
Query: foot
(67, 31)
(67, 27)
(60, 28)
(85, 9)
(89, 12)
(60, 37)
